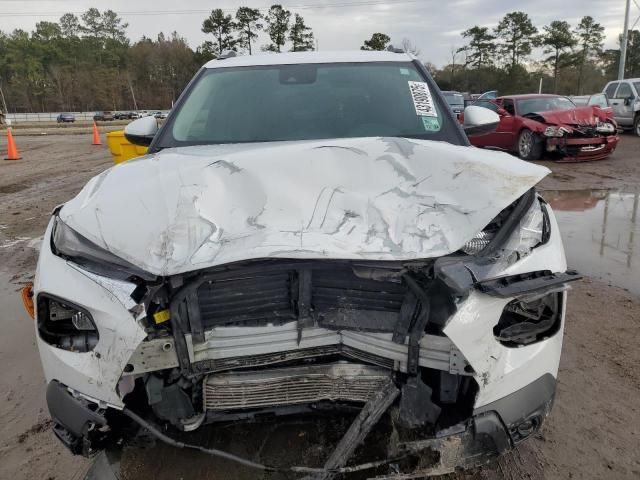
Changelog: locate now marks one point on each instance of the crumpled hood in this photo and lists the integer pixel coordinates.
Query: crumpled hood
(574, 116)
(189, 208)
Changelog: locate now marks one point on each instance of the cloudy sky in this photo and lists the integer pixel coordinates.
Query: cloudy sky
(433, 25)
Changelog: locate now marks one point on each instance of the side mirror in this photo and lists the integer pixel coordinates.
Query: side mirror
(480, 120)
(141, 131)
(502, 112)
(628, 101)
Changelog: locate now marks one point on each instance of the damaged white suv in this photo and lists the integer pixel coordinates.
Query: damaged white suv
(309, 232)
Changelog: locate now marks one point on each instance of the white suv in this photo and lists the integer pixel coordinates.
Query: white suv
(624, 96)
(310, 232)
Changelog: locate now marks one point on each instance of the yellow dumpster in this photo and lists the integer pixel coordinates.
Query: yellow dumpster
(121, 149)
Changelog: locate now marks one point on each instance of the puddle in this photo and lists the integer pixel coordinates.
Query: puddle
(601, 233)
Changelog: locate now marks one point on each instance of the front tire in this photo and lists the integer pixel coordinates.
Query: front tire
(529, 145)
(636, 126)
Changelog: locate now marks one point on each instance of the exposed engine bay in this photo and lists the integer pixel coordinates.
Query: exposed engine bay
(282, 333)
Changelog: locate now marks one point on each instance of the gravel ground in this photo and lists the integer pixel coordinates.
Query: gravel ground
(593, 432)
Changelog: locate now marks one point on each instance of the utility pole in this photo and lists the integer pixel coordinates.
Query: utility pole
(623, 46)
(133, 95)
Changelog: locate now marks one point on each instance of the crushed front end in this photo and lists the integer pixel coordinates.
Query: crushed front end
(457, 354)
(578, 142)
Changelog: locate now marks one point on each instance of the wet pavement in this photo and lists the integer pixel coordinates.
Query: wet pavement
(601, 233)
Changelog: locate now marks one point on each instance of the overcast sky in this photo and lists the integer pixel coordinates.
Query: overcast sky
(433, 25)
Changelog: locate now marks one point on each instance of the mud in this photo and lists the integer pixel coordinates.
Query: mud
(593, 431)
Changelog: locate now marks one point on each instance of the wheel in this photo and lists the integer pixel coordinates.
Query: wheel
(636, 126)
(529, 145)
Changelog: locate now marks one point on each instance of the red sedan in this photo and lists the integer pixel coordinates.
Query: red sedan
(531, 125)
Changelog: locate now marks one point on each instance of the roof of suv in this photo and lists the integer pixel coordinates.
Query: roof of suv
(625, 80)
(293, 58)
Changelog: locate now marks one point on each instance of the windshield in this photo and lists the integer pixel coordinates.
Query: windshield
(637, 86)
(309, 101)
(543, 104)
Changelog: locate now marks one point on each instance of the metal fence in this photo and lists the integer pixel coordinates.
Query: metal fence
(53, 116)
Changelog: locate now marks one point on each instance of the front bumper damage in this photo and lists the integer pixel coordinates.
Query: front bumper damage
(493, 429)
(581, 149)
(413, 333)
(287, 359)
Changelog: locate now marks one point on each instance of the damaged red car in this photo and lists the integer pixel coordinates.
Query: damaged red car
(534, 125)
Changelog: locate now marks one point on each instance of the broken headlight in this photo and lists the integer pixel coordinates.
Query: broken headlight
(555, 131)
(531, 231)
(69, 244)
(65, 325)
(605, 127)
(529, 319)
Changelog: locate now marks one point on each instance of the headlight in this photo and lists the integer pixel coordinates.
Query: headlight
(65, 325)
(605, 127)
(530, 319)
(555, 131)
(529, 233)
(532, 230)
(69, 244)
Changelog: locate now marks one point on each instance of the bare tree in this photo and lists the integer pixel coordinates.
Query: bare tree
(409, 47)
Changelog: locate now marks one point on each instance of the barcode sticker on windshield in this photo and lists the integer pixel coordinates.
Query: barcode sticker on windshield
(422, 99)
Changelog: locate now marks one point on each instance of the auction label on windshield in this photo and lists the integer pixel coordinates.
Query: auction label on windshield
(422, 99)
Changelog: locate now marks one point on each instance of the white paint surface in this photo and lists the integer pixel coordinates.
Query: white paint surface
(364, 198)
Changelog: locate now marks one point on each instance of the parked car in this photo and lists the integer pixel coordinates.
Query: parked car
(160, 115)
(625, 100)
(352, 251)
(125, 115)
(103, 116)
(599, 100)
(66, 118)
(455, 100)
(532, 125)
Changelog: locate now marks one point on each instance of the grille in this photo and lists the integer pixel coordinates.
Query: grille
(254, 298)
(292, 386)
(280, 292)
(342, 289)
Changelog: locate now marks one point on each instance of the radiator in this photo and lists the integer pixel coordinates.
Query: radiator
(340, 381)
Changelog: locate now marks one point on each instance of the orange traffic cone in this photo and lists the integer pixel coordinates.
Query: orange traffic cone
(96, 135)
(12, 150)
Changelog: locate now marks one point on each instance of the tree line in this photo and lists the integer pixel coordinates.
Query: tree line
(241, 31)
(570, 59)
(86, 62)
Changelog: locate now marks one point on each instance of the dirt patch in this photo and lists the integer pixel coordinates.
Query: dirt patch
(39, 427)
(13, 188)
(592, 433)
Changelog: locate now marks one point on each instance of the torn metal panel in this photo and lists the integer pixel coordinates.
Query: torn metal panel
(152, 355)
(363, 198)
